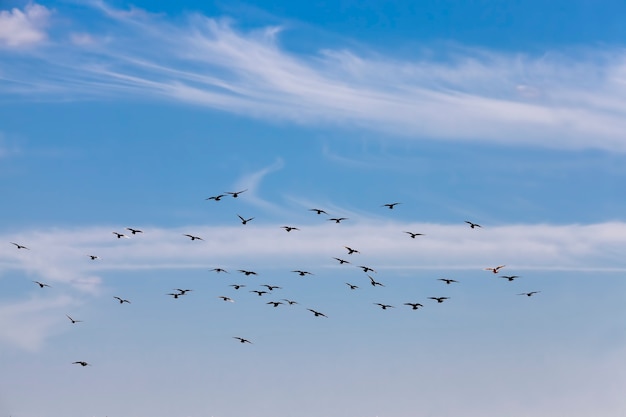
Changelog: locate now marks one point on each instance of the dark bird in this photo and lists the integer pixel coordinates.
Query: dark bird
(390, 205)
(414, 306)
(509, 277)
(134, 231)
(218, 270)
(447, 281)
(275, 303)
(72, 320)
(175, 295)
(342, 261)
(338, 219)
(384, 306)
(374, 283)
(439, 299)
(121, 300)
(472, 225)
(529, 294)
(302, 273)
(496, 269)
(228, 299)
(351, 251)
(17, 245)
(93, 257)
(192, 237)
(246, 273)
(81, 363)
(237, 286)
(260, 293)
(120, 235)
(289, 228)
(216, 197)
(241, 339)
(236, 193)
(414, 234)
(318, 211)
(245, 221)
(272, 287)
(181, 291)
(317, 313)
(290, 302)
(366, 268)
(41, 284)
(352, 286)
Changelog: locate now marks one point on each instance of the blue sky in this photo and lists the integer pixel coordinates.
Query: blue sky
(507, 114)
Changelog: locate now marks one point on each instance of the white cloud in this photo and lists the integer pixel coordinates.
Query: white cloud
(23, 28)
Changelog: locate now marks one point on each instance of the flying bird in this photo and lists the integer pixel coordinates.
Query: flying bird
(218, 270)
(289, 228)
(120, 235)
(181, 291)
(41, 284)
(237, 286)
(81, 363)
(317, 313)
(236, 193)
(384, 306)
(245, 221)
(246, 273)
(192, 237)
(366, 268)
(374, 283)
(241, 339)
(338, 219)
(134, 231)
(496, 269)
(175, 295)
(216, 197)
(93, 257)
(318, 211)
(447, 281)
(228, 299)
(342, 261)
(414, 234)
(275, 303)
(121, 300)
(17, 245)
(351, 251)
(439, 299)
(414, 306)
(390, 205)
(472, 225)
(302, 273)
(529, 294)
(271, 287)
(260, 293)
(509, 277)
(352, 286)
(290, 302)
(72, 320)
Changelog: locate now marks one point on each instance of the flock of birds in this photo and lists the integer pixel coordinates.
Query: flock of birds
(269, 289)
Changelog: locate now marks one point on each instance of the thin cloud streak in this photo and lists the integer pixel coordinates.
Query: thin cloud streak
(570, 101)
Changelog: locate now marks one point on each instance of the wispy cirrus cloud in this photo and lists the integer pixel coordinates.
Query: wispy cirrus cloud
(20, 28)
(573, 99)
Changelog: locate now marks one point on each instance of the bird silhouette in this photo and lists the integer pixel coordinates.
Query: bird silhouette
(134, 231)
(175, 295)
(509, 277)
(317, 313)
(245, 221)
(414, 306)
(414, 234)
(192, 237)
(366, 268)
(275, 303)
(318, 211)
(351, 251)
(272, 287)
(241, 339)
(390, 205)
(236, 193)
(384, 306)
(228, 299)
(302, 273)
(338, 219)
(447, 281)
(72, 320)
(120, 235)
(216, 197)
(495, 269)
(246, 273)
(181, 291)
(439, 299)
(17, 245)
(93, 257)
(290, 302)
(290, 228)
(374, 283)
(529, 294)
(81, 363)
(41, 284)
(121, 300)
(237, 286)
(472, 225)
(259, 293)
(352, 286)
(218, 270)
(342, 261)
